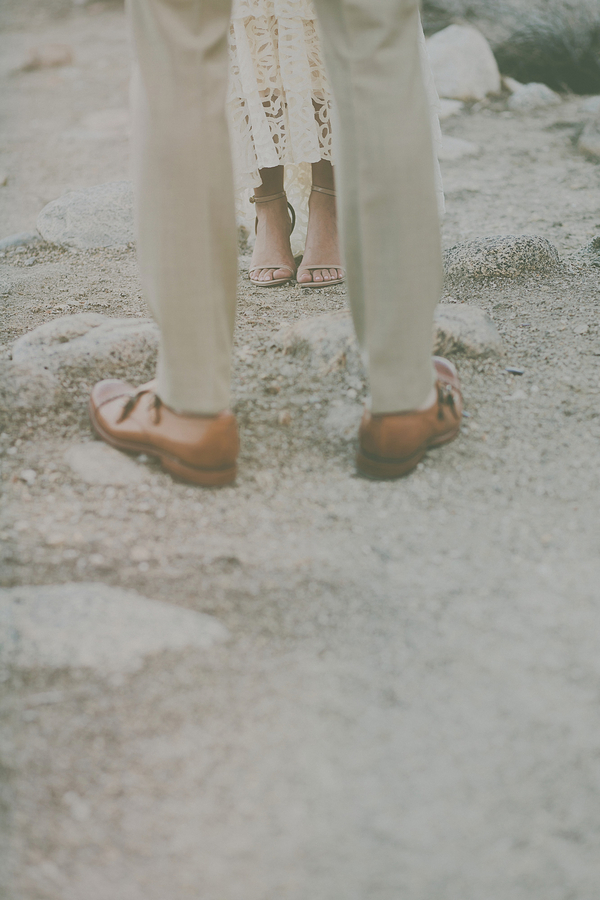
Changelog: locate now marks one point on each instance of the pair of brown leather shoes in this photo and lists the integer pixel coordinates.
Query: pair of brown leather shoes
(204, 449)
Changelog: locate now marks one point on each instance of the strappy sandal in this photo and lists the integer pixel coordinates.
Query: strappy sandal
(278, 281)
(321, 284)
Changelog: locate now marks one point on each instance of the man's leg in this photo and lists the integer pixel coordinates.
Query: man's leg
(187, 246)
(385, 177)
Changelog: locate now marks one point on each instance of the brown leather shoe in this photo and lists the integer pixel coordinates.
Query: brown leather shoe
(201, 449)
(391, 445)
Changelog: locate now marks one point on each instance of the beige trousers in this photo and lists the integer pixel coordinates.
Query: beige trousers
(185, 215)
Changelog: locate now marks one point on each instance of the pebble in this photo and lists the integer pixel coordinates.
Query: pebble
(463, 65)
(591, 105)
(100, 216)
(501, 255)
(528, 97)
(3, 179)
(28, 476)
(97, 463)
(581, 328)
(95, 626)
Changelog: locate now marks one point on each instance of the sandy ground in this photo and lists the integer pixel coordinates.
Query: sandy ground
(407, 706)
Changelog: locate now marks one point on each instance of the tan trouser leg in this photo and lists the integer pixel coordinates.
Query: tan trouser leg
(385, 177)
(187, 245)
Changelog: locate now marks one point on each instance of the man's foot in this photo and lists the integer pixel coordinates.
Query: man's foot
(200, 449)
(321, 263)
(391, 445)
(272, 259)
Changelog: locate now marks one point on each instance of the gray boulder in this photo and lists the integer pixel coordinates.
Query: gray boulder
(90, 345)
(328, 342)
(528, 97)
(463, 64)
(501, 255)
(51, 361)
(94, 626)
(100, 216)
(465, 330)
(556, 42)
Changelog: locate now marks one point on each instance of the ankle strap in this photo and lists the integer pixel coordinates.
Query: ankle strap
(268, 199)
(321, 190)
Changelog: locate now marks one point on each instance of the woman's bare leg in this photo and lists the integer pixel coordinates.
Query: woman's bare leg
(322, 243)
(272, 245)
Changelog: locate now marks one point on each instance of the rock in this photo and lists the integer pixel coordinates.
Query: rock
(342, 420)
(90, 345)
(455, 148)
(511, 84)
(94, 626)
(588, 255)
(591, 106)
(23, 238)
(48, 56)
(100, 216)
(528, 97)
(556, 42)
(59, 355)
(97, 463)
(448, 108)
(465, 330)
(501, 255)
(589, 141)
(328, 343)
(463, 64)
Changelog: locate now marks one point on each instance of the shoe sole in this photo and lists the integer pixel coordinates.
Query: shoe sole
(387, 469)
(315, 285)
(172, 464)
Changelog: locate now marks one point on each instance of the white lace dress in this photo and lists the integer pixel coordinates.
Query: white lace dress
(279, 101)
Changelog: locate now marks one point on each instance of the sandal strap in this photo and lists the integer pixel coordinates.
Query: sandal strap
(322, 190)
(279, 196)
(270, 266)
(322, 266)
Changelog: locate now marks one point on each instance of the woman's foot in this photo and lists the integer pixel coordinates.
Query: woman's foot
(322, 242)
(272, 259)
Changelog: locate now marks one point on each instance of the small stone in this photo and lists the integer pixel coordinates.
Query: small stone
(48, 56)
(100, 216)
(96, 560)
(95, 626)
(518, 395)
(528, 97)
(284, 417)
(455, 148)
(28, 476)
(463, 65)
(589, 141)
(501, 255)
(511, 84)
(466, 330)
(514, 370)
(3, 179)
(97, 463)
(581, 328)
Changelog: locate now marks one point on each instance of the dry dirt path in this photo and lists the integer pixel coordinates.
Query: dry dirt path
(407, 702)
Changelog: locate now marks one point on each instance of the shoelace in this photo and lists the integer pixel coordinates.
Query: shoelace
(445, 393)
(132, 403)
